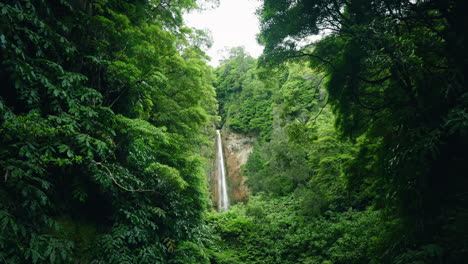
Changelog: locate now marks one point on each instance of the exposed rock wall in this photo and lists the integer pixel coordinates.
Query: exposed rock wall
(237, 148)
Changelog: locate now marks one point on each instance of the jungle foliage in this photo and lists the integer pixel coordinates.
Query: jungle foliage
(245, 101)
(107, 109)
(104, 107)
(301, 209)
(397, 81)
(394, 74)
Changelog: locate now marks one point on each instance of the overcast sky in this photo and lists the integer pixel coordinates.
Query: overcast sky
(232, 24)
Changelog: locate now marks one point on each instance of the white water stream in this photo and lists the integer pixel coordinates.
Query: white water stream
(223, 199)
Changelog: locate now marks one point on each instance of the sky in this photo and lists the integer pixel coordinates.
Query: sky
(232, 24)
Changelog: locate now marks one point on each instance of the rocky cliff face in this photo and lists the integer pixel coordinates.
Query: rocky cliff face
(237, 148)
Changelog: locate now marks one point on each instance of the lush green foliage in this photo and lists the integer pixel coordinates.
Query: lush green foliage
(301, 210)
(304, 150)
(277, 230)
(105, 115)
(245, 101)
(102, 111)
(397, 85)
(399, 104)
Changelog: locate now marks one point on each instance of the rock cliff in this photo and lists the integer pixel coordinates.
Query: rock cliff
(237, 148)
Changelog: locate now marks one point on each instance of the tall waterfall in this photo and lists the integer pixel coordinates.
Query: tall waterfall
(223, 200)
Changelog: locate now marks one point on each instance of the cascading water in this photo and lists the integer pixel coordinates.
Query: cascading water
(223, 199)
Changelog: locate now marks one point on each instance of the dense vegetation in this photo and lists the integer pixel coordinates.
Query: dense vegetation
(103, 107)
(107, 108)
(301, 209)
(397, 81)
(387, 183)
(245, 101)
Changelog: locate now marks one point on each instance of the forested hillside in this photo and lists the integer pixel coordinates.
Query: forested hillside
(387, 182)
(245, 101)
(397, 83)
(108, 112)
(301, 209)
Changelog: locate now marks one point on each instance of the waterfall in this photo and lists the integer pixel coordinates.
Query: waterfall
(223, 200)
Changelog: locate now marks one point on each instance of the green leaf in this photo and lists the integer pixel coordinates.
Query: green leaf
(62, 148)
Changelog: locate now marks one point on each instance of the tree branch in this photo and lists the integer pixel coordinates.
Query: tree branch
(302, 54)
(118, 184)
(320, 112)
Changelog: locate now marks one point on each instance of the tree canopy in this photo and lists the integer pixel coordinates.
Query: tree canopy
(107, 119)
